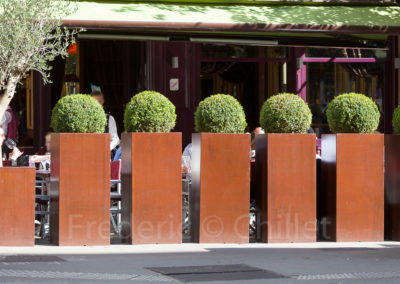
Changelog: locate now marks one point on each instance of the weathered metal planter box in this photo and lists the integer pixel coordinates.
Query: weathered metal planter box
(352, 192)
(80, 189)
(151, 188)
(17, 203)
(286, 187)
(220, 191)
(392, 187)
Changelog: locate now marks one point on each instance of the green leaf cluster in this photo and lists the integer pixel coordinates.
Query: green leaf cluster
(149, 111)
(352, 113)
(220, 114)
(285, 113)
(78, 114)
(396, 120)
(32, 35)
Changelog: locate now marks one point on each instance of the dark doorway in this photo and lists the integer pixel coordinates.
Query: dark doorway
(238, 79)
(116, 67)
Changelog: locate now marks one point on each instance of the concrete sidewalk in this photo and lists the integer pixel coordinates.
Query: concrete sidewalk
(205, 263)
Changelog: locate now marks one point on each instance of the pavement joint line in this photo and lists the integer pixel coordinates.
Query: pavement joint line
(80, 275)
(350, 275)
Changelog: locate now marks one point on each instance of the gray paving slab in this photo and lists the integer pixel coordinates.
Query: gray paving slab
(300, 263)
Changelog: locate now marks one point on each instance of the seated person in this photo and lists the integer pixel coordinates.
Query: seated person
(187, 159)
(44, 160)
(257, 130)
(2, 137)
(17, 158)
(117, 155)
(13, 154)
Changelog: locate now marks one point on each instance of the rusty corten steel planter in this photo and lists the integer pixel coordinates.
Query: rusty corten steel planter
(151, 188)
(17, 206)
(220, 191)
(352, 193)
(392, 187)
(286, 187)
(80, 189)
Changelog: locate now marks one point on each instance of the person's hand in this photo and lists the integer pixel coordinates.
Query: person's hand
(38, 158)
(34, 159)
(15, 154)
(185, 169)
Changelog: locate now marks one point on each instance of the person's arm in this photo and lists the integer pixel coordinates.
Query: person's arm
(38, 158)
(17, 159)
(187, 159)
(112, 128)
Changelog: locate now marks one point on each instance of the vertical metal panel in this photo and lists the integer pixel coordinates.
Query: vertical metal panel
(80, 189)
(359, 187)
(17, 203)
(155, 193)
(288, 187)
(392, 187)
(223, 188)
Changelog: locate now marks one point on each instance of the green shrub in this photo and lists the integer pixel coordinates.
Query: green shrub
(78, 114)
(285, 113)
(352, 113)
(220, 114)
(396, 120)
(149, 111)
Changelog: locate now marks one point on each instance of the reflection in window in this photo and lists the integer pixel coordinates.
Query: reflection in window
(71, 80)
(241, 51)
(327, 80)
(345, 53)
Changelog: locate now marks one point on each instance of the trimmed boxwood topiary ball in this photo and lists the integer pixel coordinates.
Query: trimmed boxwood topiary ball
(285, 113)
(149, 111)
(220, 114)
(78, 114)
(352, 113)
(396, 120)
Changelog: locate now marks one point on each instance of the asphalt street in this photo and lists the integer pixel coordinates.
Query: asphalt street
(213, 263)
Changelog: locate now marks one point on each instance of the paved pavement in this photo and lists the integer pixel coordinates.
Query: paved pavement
(282, 263)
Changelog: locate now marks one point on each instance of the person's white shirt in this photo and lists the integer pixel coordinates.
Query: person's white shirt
(5, 120)
(112, 129)
(187, 159)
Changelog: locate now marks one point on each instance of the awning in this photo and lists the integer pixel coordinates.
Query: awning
(262, 18)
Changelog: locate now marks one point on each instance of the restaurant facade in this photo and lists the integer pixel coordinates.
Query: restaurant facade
(188, 50)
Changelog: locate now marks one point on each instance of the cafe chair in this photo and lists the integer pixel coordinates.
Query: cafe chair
(115, 195)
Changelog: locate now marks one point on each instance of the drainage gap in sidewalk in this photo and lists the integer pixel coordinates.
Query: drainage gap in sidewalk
(31, 258)
(216, 272)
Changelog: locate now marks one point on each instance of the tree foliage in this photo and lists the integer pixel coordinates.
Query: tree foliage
(31, 35)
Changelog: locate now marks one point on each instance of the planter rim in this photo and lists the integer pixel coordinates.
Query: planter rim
(213, 133)
(353, 134)
(74, 133)
(15, 168)
(288, 134)
(171, 132)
